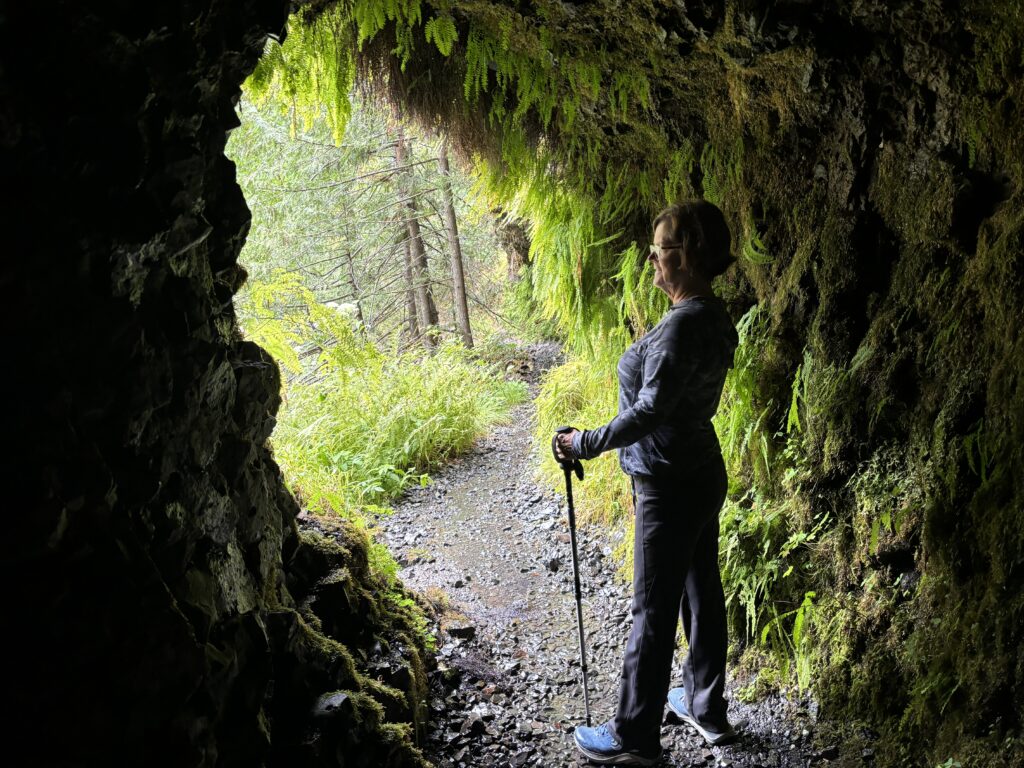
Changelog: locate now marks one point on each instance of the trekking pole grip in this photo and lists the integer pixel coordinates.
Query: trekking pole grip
(574, 465)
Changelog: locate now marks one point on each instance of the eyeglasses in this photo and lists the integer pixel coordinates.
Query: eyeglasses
(659, 250)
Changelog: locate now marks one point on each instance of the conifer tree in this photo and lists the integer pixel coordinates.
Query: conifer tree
(425, 307)
(455, 246)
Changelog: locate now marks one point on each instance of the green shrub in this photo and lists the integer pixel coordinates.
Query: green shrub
(583, 393)
(358, 426)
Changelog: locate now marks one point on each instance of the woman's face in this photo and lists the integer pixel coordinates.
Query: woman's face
(666, 257)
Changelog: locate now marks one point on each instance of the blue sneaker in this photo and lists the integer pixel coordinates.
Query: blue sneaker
(712, 735)
(602, 748)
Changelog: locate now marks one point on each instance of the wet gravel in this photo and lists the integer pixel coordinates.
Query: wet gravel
(507, 688)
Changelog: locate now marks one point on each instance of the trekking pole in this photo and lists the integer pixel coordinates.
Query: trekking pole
(568, 467)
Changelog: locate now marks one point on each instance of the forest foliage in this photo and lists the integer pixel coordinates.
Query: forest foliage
(367, 411)
(359, 425)
(335, 214)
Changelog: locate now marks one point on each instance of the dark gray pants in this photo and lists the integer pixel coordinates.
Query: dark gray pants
(675, 573)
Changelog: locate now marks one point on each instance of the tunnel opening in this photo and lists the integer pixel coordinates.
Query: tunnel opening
(377, 285)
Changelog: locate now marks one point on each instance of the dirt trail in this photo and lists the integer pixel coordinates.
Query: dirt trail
(507, 689)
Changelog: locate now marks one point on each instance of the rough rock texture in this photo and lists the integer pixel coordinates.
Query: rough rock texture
(149, 617)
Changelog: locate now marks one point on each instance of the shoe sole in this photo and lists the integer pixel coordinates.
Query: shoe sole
(623, 758)
(712, 738)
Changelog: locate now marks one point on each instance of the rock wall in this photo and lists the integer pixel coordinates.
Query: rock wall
(164, 608)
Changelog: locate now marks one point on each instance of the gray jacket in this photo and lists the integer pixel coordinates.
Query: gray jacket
(670, 383)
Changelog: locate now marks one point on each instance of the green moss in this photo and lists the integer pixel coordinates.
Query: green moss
(347, 608)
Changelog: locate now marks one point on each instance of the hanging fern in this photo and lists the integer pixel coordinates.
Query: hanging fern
(606, 163)
(677, 184)
(478, 56)
(754, 250)
(313, 70)
(441, 31)
(371, 17)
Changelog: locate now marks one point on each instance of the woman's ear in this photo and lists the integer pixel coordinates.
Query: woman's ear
(683, 262)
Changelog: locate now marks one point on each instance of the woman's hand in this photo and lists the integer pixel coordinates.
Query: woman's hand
(563, 443)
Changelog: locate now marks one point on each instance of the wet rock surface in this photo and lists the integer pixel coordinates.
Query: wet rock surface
(507, 688)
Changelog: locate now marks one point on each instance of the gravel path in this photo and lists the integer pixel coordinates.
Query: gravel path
(507, 690)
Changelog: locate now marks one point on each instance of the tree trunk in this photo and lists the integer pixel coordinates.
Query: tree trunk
(427, 310)
(452, 227)
(421, 276)
(356, 294)
(410, 296)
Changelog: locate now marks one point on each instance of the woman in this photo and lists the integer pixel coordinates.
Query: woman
(670, 383)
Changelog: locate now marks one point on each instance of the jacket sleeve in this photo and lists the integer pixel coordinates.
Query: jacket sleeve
(669, 363)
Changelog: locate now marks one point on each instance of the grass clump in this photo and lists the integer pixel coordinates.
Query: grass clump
(582, 393)
(358, 426)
